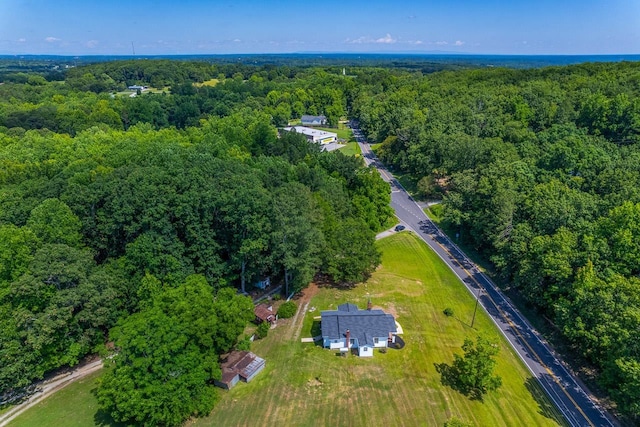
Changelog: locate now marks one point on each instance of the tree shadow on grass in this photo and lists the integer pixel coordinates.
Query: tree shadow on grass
(451, 378)
(324, 281)
(102, 418)
(545, 406)
(315, 331)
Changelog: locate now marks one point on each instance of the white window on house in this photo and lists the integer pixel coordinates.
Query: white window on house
(376, 341)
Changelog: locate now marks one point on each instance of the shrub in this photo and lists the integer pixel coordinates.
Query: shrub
(263, 330)
(287, 310)
(448, 311)
(244, 343)
(457, 422)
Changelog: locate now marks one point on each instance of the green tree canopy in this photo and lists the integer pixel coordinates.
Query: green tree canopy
(167, 354)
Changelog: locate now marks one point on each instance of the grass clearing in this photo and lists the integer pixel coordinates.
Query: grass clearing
(210, 83)
(74, 405)
(306, 385)
(343, 133)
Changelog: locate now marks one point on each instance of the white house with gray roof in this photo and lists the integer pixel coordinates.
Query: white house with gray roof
(307, 120)
(351, 328)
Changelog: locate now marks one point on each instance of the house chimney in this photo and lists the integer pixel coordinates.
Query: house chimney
(369, 305)
(348, 339)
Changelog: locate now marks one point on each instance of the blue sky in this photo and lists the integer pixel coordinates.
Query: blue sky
(72, 27)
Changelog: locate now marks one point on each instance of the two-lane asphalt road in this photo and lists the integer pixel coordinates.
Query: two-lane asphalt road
(568, 394)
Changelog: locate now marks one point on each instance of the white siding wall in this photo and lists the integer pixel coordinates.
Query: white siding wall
(382, 342)
(328, 343)
(365, 351)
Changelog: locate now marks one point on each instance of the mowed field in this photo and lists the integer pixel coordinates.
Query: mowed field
(306, 385)
(73, 406)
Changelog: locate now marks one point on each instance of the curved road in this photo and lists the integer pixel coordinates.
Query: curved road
(569, 395)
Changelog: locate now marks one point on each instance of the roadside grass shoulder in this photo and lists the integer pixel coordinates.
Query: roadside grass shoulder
(582, 367)
(351, 149)
(434, 213)
(391, 222)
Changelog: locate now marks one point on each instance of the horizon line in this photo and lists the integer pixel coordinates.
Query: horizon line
(414, 53)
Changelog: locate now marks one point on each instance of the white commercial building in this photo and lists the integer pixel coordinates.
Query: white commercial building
(314, 135)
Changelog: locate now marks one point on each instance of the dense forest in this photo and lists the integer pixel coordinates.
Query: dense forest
(112, 206)
(538, 170)
(140, 213)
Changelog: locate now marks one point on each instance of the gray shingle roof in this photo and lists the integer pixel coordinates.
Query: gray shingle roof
(310, 119)
(362, 324)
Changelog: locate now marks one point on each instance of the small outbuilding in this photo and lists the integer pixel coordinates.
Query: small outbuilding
(239, 365)
(264, 313)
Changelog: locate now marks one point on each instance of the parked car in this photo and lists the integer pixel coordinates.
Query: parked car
(400, 227)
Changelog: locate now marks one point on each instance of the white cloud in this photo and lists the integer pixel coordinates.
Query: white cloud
(21, 40)
(442, 43)
(416, 42)
(91, 44)
(51, 39)
(237, 40)
(359, 40)
(386, 39)
(458, 43)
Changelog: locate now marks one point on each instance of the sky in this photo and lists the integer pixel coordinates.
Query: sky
(182, 27)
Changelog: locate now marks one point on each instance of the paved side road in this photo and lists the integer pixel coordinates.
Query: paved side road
(49, 387)
(570, 396)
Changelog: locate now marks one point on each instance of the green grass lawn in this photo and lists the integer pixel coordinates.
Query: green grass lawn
(74, 405)
(343, 133)
(306, 385)
(351, 149)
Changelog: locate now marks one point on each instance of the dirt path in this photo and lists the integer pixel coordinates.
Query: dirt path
(303, 304)
(49, 387)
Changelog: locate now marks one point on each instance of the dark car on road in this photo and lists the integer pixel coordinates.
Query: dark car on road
(400, 227)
